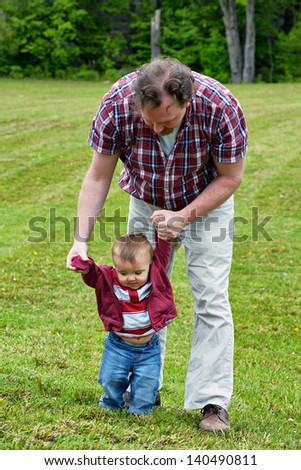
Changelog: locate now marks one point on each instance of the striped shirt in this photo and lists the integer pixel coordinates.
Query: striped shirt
(136, 321)
(213, 128)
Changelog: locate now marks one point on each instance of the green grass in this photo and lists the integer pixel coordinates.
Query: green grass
(52, 337)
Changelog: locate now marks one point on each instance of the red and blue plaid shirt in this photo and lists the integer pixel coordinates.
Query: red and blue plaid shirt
(214, 127)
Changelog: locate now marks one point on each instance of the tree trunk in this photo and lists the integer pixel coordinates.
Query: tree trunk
(249, 53)
(155, 34)
(230, 21)
(270, 49)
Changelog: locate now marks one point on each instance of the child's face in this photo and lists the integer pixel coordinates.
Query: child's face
(132, 275)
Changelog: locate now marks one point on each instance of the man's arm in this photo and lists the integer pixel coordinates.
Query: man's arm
(218, 191)
(92, 197)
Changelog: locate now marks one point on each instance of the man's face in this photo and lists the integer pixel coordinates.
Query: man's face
(164, 119)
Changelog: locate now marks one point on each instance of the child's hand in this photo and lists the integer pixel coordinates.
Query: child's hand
(78, 249)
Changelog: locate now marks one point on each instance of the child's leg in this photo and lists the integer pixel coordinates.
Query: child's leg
(114, 374)
(145, 377)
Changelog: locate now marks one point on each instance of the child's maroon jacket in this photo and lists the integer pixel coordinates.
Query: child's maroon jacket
(161, 306)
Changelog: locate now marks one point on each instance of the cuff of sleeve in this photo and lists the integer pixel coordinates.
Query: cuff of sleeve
(84, 265)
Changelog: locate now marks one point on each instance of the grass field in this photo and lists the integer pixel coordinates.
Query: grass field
(52, 337)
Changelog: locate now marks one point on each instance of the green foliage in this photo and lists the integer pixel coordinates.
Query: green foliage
(277, 58)
(192, 34)
(61, 38)
(45, 34)
(288, 56)
(179, 32)
(139, 36)
(213, 56)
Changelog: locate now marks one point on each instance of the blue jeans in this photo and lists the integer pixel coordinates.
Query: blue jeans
(124, 364)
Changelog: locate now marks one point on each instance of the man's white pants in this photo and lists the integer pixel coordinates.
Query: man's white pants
(208, 245)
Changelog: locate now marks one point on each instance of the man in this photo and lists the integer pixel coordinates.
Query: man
(181, 137)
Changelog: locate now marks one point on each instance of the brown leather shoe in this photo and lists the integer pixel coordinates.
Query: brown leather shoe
(126, 397)
(215, 419)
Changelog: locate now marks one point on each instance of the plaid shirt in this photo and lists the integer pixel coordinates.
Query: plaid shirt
(213, 128)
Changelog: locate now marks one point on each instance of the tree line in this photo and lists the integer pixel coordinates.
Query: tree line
(92, 39)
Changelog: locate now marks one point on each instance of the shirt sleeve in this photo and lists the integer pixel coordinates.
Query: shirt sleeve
(231, 137)
(104, 136)
(162, 250)
(90, 278)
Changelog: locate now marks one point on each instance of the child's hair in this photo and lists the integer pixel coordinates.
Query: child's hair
(128, 247)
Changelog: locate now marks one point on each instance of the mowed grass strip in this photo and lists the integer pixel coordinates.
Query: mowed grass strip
(52, 337)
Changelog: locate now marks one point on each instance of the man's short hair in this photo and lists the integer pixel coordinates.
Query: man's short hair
(160, 77)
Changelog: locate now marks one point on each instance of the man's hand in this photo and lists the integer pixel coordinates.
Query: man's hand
(168, 224)
(78, 249)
